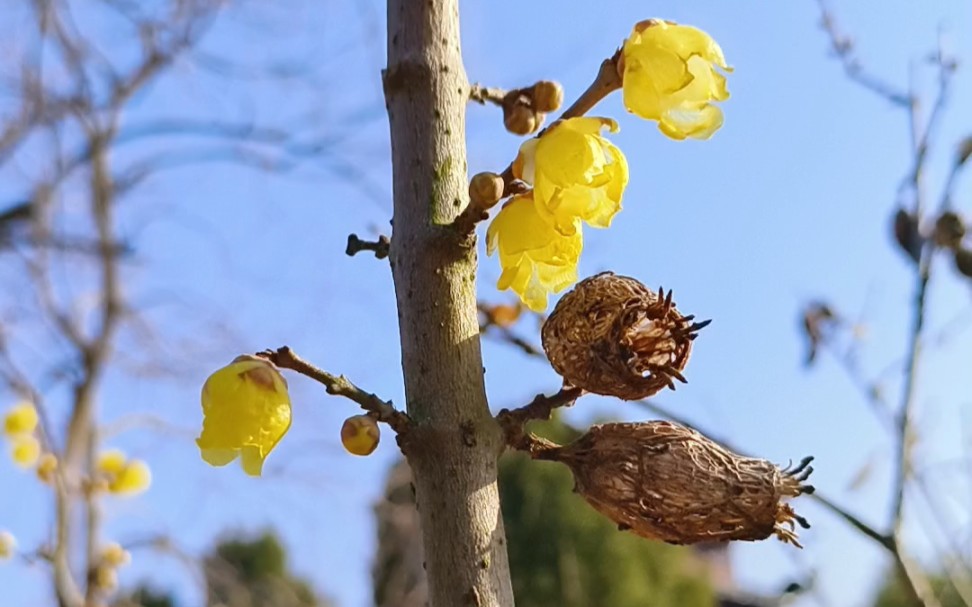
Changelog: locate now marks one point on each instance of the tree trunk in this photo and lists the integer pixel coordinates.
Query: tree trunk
(455, 444)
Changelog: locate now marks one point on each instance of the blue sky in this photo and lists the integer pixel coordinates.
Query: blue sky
(790, 201)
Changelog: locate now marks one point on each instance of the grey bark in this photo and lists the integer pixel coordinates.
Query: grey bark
(454, 446)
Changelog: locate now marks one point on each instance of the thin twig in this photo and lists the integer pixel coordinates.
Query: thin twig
(482, 94)
(338, 385)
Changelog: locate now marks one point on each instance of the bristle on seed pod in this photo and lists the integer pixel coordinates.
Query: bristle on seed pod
(667, 482)
(612, 335)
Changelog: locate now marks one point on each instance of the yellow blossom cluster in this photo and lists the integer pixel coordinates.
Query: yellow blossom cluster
(20, 429)
(668, 74)
(119, 475)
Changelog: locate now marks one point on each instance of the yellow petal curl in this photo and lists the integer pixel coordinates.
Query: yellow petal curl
(576, 173)
(670, 75)
(246, 411)
(536, 258)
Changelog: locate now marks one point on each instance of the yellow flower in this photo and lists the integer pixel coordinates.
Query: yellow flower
(576, 173)
(536, 258)
(246, 410)
(669, 75)
(26, 450)
(21, 419)
(121, 475)
(46, 467)
(113, 555)
(134, 478)
(8, 545)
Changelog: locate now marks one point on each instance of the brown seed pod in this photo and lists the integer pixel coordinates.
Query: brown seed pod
(667, 482)
(949, 230)
(963, 261)
(612, 335)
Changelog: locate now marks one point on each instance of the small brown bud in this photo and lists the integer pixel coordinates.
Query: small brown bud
(964, 151)
(521, 120)
(963, 261)
(612, 335)
(667, 482)
(949, 230)
(907, 235)
(548, 96)
(485, 190)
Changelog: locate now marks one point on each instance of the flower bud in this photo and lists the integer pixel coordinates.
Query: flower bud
(485, 190)
(612, 335)
(548, 96)
(949, 230)
(964, 151)
(907, 234)
(8, 545)
(26, 449)
(521, 120)
(113, 555)
(46, 467)
(963, 261)
(21, 419)
(667, 482)
(360, 435)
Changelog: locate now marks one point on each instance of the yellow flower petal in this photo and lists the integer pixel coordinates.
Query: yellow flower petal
(21, 419)
(246, 410)
(576, 173)
(536, 258)
(670, 76)
(111, 462)
(8, 545)
(134, 478)
(26, 449)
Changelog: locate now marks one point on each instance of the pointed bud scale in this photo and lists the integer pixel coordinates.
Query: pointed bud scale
(667, 482)
(611, 335)
(360, 435)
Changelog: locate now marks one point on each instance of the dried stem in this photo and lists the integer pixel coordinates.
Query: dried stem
(541, 407)
(379, 247)
(338, 385)
(482, 94)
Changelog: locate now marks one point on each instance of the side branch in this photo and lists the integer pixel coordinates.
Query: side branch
(338, 385)
(379, 247)
(514, 422)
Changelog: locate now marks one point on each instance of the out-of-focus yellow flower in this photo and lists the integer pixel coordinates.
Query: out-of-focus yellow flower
(8, 545)
(122, 476)
(21, 419)
(25, 450)
(536, 258)
(46, 467)
(113, 555)
(576, 173)
(111, 462)
(105, 579)
(246, 411)
(669, 75)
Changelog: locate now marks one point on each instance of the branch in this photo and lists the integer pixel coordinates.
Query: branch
(514, 422)
(481, 94)
(338, 385)
(843, 48)
(379, 247)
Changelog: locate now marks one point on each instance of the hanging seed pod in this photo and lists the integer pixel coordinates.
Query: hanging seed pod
(612, 335)
(949, 230)
(963, 261)
(667, 482)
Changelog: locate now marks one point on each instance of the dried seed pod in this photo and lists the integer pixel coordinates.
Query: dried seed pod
(963, 261)
(667, 482)
(949, 230)
(612, 335)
